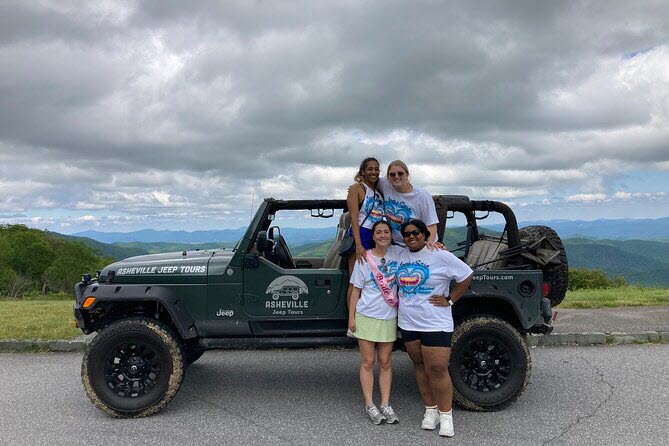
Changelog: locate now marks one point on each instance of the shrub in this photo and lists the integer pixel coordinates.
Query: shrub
(580, 279)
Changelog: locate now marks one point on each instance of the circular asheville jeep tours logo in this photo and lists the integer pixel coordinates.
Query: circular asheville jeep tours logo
(287, 286)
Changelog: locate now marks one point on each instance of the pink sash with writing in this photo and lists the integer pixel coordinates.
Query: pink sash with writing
(381, 281)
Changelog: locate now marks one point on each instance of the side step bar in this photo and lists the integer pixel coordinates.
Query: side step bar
(259, 343)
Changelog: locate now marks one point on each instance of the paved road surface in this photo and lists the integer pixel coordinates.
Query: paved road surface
(581, 395)
(607, 320)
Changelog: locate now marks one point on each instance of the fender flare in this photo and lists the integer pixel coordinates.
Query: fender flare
(492, 304)
(111, 293)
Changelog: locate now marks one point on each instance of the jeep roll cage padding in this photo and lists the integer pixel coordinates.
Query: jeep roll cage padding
(443, 204)
(462, 203)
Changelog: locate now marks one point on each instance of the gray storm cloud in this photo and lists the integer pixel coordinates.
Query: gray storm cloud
(133, 108)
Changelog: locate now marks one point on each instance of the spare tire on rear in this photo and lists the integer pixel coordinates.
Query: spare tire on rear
(556, 273)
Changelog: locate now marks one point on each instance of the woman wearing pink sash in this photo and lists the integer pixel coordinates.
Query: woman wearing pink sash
(373, 319)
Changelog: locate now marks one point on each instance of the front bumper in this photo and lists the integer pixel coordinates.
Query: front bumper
(79, 317)
(79, 314)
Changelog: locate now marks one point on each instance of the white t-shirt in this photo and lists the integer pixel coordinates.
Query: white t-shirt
(423, 274)
(399, 207)
(371, 302)
(373, 202)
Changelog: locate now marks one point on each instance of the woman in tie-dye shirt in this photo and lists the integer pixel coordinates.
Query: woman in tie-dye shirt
(424, 317)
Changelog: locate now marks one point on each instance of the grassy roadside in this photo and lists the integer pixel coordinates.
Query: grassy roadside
(50, 318)
(628, 296)
(37, 319)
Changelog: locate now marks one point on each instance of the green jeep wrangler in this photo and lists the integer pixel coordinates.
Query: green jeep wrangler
(156, 314)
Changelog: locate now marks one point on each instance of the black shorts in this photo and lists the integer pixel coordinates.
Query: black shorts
(428, 338)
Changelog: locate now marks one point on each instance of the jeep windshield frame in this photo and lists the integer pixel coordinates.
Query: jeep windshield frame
(261, 220)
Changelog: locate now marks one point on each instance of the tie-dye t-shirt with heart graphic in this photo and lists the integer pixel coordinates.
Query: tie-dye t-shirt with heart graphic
(423, 274)
(371, 210)
(371, 302)
(400, 207)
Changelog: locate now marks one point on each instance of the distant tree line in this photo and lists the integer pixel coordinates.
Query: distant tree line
(580, 279)
(33, 261)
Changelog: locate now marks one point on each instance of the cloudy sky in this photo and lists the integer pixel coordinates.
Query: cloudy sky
(121, 115)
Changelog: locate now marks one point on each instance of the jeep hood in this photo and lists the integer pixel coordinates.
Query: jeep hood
(165, 267)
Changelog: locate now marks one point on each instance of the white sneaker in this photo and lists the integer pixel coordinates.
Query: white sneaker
(374, 415)
(446, 420)
(389, 413)
(430, 419)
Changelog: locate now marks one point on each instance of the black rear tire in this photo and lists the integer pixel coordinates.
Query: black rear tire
(555, 273)
(490, 364)
(133, 368)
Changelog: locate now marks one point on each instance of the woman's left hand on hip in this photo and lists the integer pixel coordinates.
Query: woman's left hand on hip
(439, 300)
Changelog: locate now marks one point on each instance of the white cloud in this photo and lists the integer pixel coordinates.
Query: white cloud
(642, 195)
(147, 109)
(586, 197)
(622, 195)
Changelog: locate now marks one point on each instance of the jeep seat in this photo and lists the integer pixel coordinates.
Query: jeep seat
(333, 259)
(486, 252)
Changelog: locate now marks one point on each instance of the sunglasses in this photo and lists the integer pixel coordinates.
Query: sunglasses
(396, 174)
(415, 233)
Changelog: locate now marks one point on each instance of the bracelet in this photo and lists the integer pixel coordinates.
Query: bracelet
(451, 302)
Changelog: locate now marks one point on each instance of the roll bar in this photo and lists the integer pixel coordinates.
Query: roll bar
(462, 203)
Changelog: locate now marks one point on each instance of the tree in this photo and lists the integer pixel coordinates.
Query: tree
(72, 260)
(29, 254)
(33, 260)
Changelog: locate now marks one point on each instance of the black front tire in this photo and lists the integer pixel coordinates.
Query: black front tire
(133, 368)
(490, 364)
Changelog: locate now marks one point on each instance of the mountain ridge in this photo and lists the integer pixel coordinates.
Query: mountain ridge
(640, 260)
(611, 229)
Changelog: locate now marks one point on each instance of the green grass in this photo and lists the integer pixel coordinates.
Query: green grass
(47, 318)
(37, 319)
(628, 296)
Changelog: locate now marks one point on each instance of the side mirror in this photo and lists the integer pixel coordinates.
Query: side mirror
(273, 235)
(273, 232)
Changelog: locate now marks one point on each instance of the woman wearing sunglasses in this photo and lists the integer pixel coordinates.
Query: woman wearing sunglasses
(425, 318)
(373, 318)
(404, 201)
